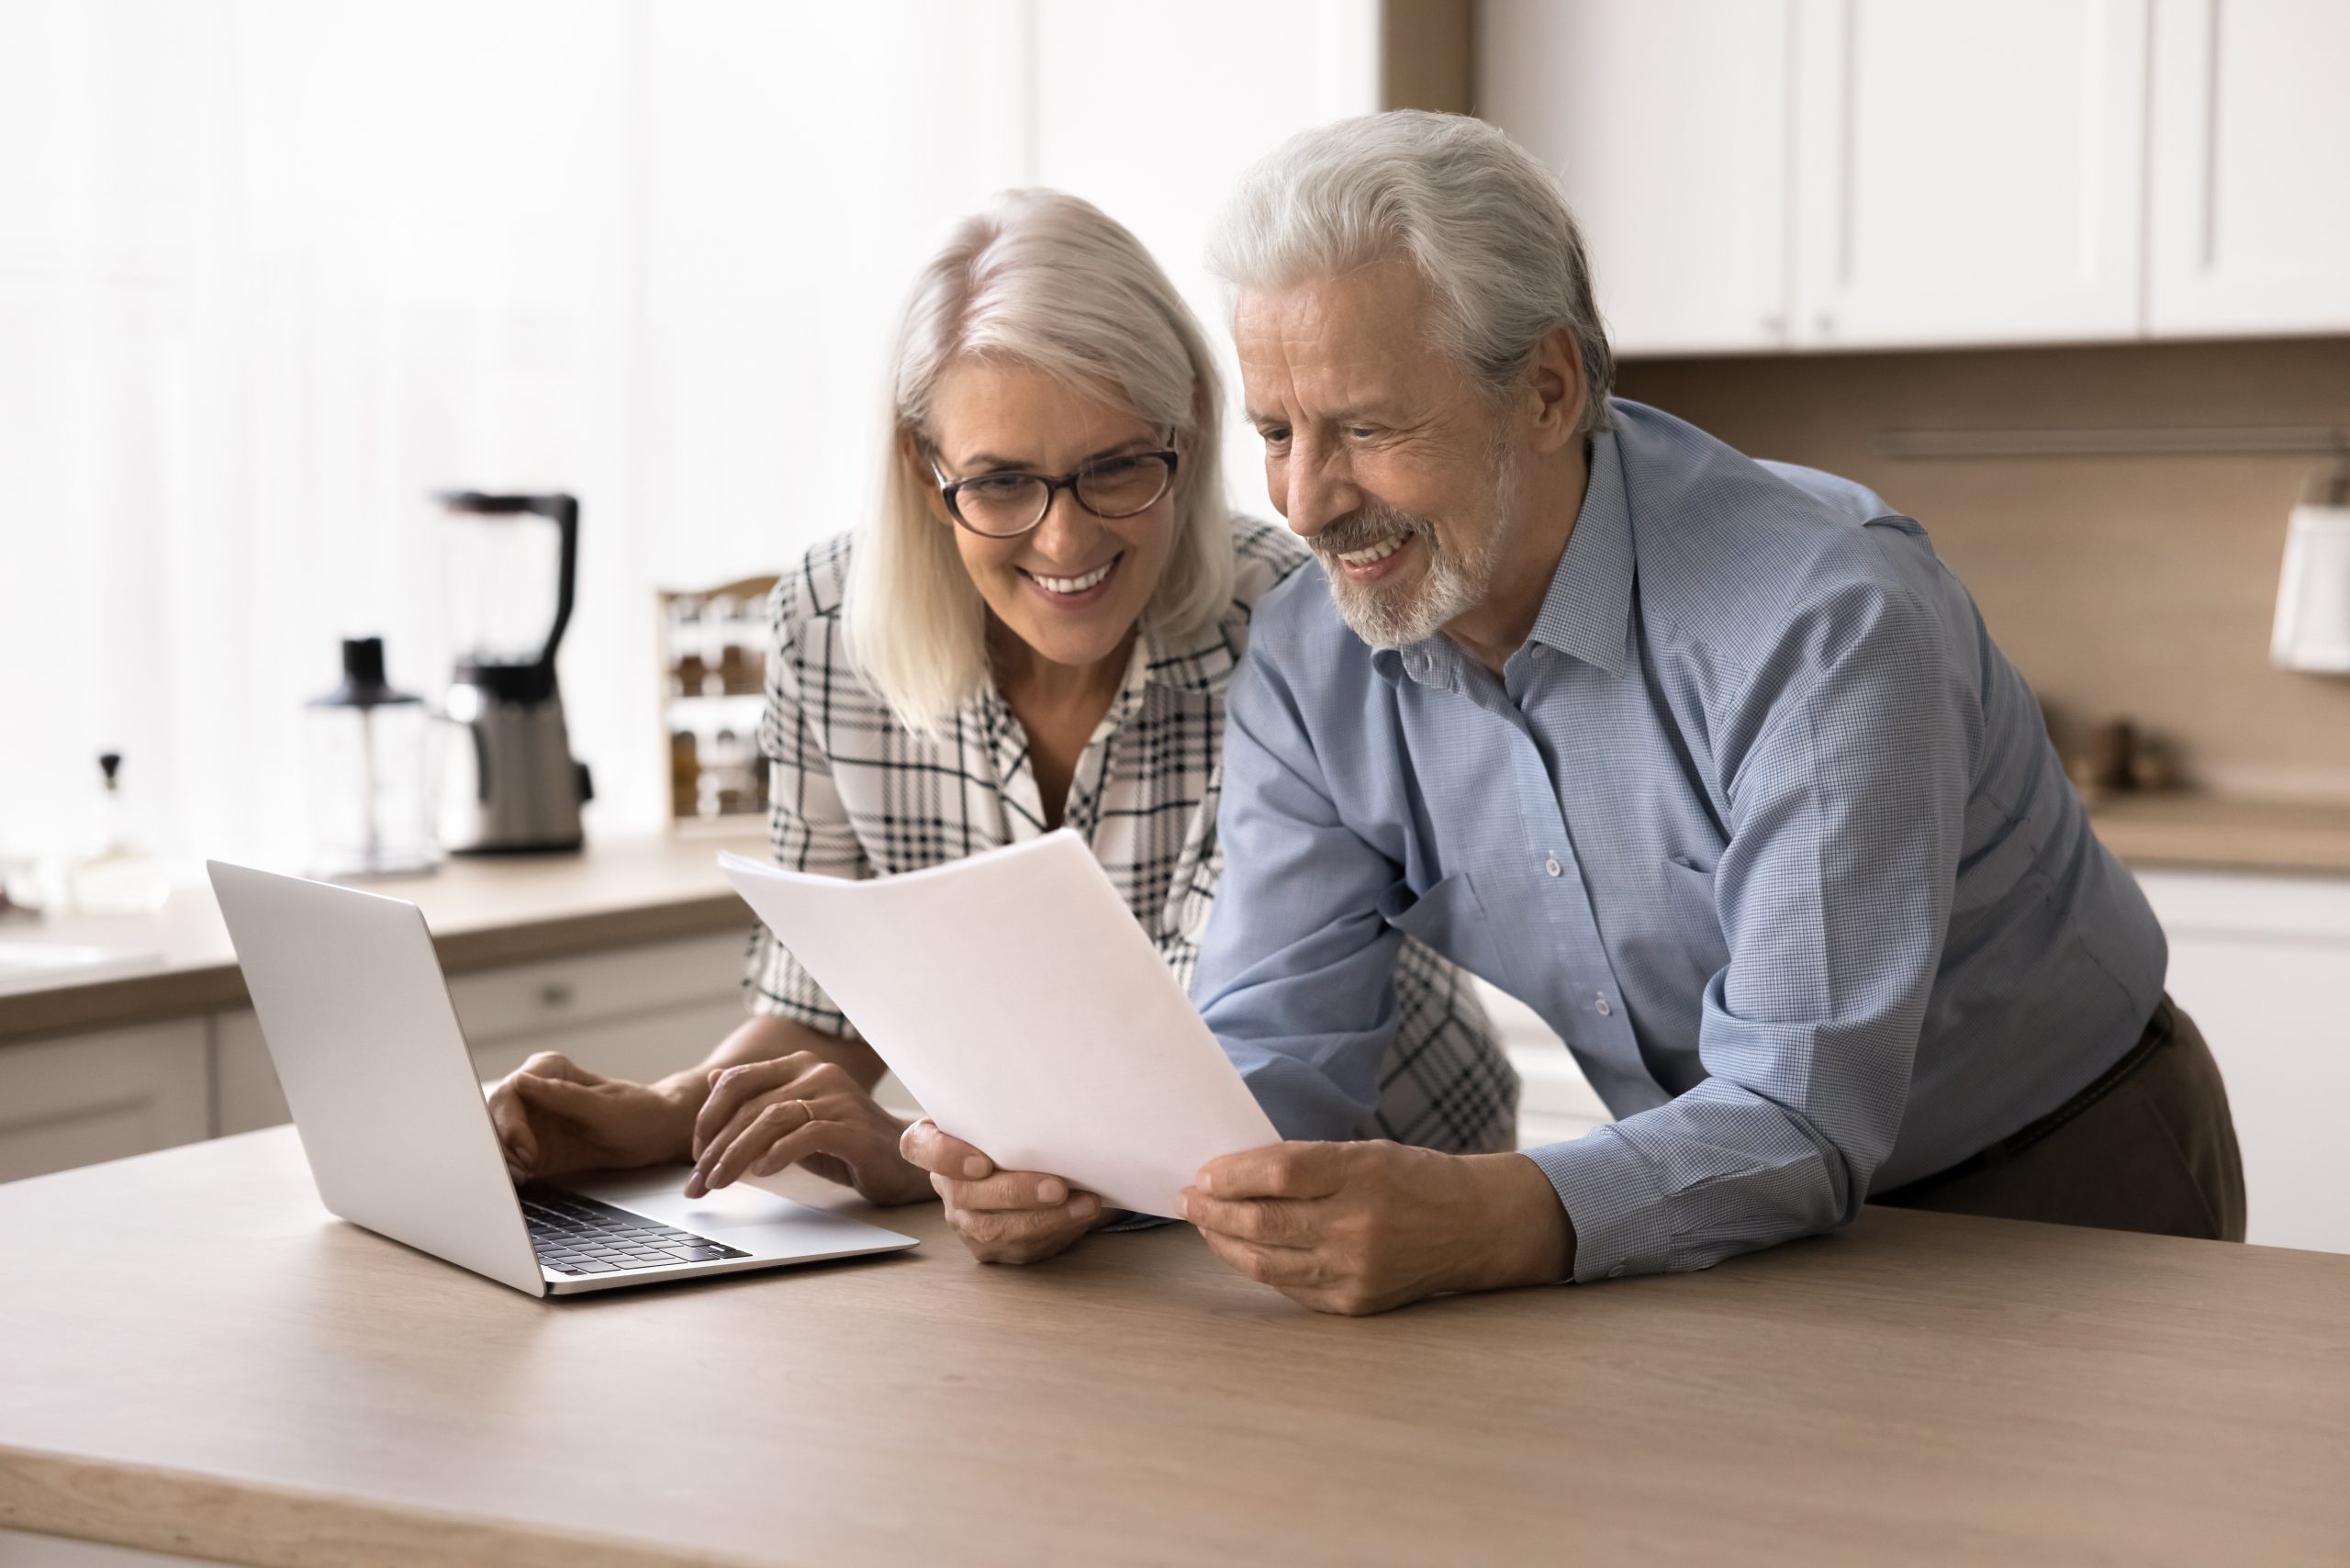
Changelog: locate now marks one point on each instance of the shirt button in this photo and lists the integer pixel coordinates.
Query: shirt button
(1600, 1005)
(1551, 864)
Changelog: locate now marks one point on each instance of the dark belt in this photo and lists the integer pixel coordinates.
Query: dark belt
(2159, 1032)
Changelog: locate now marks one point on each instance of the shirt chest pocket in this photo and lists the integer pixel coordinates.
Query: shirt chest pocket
(1450, 918)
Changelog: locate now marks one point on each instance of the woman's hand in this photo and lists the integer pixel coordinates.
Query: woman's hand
(1004, 1216)
(799, 1110)
(554, 1116)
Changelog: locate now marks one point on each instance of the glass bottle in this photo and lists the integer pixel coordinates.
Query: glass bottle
(121, 877)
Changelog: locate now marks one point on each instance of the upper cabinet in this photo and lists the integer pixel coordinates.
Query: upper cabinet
(2249, 222)
(1876, 173)
(1967, 173)
(1678, 177)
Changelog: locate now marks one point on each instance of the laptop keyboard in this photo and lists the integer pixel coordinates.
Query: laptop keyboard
(573, 1235)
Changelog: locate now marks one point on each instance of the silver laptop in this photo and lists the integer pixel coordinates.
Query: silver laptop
(351, 1001)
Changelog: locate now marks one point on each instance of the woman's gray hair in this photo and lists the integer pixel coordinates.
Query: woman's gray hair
(1484, 224)
(1051, 282)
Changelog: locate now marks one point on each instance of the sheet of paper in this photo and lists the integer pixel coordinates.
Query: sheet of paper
(1014, 995)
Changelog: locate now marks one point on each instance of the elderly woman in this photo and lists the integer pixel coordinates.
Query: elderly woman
(1035, 630)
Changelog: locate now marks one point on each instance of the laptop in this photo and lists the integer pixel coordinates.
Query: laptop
(357, 1017)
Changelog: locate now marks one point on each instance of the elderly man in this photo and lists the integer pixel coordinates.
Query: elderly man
(1708, 760)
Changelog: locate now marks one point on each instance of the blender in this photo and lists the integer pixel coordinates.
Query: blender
(514, 787)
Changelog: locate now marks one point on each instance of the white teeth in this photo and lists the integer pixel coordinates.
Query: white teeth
(1074, 585)
(1377, 553)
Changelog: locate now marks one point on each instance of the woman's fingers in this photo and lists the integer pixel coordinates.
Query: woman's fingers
(731, 1087)
(729, 1157)
(512, 1123)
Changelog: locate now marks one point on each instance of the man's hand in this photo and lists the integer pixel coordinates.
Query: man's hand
(1004, 1216)
(554, 1116)
(800, 1110)
(1364, 1227)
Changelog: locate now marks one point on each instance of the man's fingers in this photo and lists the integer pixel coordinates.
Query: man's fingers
(1267, 1222)
(1278, 1170)
(923, 1144)
(730, 1087)
(1283, 1268)
(1012, 1190)
(1008, 1226)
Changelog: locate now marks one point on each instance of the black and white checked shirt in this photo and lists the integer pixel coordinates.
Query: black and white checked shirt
(857, 794)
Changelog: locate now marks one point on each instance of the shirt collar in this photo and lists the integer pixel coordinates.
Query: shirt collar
(1587, 612)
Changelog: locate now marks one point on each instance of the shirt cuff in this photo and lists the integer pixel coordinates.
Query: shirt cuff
(1612, 1202)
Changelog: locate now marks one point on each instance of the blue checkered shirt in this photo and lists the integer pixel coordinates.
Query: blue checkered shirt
(1758, 818)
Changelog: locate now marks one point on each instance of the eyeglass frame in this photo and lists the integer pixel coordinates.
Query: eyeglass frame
(950, 491)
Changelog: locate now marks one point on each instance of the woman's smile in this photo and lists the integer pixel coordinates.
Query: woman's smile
(1077, 589)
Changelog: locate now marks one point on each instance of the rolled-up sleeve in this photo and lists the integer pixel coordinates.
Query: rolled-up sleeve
(1296, 971)
(1834, 894)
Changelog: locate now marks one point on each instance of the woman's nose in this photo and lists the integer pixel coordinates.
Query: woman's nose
(1067, 531)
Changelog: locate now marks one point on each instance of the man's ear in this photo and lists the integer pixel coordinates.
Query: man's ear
(910, 453)
(1556, 394)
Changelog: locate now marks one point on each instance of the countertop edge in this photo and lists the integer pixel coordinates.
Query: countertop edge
(149, 1508)
(121, 1001)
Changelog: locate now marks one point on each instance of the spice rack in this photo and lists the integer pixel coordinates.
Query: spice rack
(713, 670)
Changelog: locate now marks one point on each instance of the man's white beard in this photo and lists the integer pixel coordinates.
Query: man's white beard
(1396, 616)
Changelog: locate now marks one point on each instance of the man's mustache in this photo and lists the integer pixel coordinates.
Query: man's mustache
(1364, 527)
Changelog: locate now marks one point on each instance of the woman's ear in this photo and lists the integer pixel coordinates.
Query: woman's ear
(910, 453)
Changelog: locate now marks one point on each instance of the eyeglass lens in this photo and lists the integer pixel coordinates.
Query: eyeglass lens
(1013, 503)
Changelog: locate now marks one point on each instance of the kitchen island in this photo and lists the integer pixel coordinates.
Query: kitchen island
(197, 1360)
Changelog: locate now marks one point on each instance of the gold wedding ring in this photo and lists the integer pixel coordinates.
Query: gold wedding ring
(807, 1111)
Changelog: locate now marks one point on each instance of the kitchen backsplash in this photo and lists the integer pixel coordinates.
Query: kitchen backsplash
(2139, 586)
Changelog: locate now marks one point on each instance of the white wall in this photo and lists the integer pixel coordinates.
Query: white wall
(270, 271)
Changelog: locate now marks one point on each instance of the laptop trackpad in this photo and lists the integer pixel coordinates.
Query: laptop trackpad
(740, 1216)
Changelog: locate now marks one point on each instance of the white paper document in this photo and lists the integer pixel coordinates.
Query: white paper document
(1013, 993)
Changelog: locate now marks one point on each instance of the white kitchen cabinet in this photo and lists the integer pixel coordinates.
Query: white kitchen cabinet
(79, 1099)
(2262, 964)
(630, 1013)
(1667, 121)
(2249, 217)
(1968, 174)
(1753, 175)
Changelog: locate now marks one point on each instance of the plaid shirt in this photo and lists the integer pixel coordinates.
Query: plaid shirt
(857, 794)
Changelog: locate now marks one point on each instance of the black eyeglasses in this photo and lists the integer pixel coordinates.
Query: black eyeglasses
(1006, 504)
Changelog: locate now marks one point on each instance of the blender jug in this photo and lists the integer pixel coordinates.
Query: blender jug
(512, 784)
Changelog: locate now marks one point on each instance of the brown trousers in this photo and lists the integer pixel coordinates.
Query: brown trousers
(2148, 1147)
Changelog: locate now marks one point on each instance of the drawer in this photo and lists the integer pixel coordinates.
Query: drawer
(532, 998)
(79, 1099)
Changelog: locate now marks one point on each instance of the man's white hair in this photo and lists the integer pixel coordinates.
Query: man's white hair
(1484, 224)
(1052, 283)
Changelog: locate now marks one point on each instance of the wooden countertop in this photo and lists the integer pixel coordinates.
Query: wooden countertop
(197, 1358)
(2200, 833)
(487, 912)
(483, 913)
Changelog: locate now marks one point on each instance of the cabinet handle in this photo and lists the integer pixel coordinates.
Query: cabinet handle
(1824, 322)
(1775, 324)
(555, 993)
